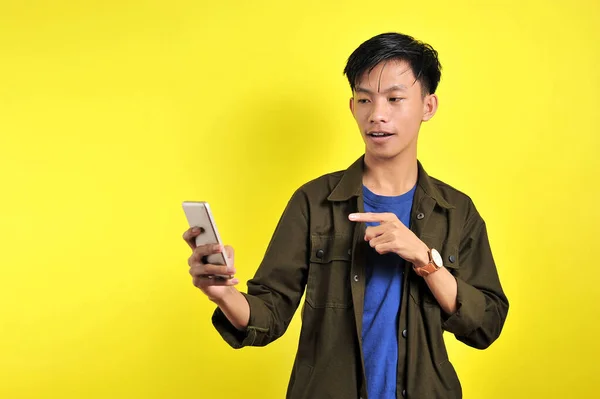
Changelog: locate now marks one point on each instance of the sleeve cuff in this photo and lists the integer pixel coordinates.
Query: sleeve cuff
(257, 325)
(470, 310)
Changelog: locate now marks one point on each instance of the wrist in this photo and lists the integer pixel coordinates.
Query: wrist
(421, 257)
(434, 263)
(224, 298)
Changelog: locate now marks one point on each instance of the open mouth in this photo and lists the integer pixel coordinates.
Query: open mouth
(379, 134)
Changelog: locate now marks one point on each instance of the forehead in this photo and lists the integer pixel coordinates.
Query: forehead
(388, 73)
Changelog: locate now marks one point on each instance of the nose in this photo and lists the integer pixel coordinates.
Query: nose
(379, 112)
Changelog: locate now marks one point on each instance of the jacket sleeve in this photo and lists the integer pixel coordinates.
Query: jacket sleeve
(482, 304)
(275, 291)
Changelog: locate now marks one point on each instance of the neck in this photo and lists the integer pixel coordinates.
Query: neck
(390, 176)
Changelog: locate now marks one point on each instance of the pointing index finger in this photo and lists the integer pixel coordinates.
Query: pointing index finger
(371, 217)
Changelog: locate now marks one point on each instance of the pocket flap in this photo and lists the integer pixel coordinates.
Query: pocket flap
(327, 248)
(450, 257)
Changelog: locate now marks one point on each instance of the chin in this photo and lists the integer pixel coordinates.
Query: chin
(383, 153)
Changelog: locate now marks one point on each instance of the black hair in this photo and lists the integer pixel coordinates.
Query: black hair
(421, 57)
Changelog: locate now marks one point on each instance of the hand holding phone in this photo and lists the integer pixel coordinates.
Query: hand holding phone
(199, 215)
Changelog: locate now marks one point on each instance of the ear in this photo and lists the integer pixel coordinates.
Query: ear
(430, 105)
(352, 105)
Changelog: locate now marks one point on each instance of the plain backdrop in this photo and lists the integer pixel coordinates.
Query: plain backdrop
(114, 112)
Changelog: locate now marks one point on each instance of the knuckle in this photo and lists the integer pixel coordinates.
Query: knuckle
(200, 251)
(207, 269)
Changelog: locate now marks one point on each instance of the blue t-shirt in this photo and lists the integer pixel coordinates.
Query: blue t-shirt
(383, 292)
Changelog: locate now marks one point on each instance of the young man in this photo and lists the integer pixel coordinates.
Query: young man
(388, 256)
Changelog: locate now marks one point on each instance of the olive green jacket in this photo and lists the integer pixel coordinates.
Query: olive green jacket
(317, 250)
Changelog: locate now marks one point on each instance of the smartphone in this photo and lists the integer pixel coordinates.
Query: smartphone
(198, 214)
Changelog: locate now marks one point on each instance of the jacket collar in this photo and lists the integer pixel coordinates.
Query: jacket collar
(350, 185)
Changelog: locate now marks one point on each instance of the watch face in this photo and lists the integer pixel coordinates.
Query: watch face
(437, 258)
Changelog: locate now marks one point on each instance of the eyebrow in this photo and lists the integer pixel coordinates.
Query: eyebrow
(400, 87)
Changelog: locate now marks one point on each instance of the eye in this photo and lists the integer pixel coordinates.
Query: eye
(363, 100)
(396, 99)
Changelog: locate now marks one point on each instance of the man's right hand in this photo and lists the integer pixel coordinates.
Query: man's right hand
(204, 274)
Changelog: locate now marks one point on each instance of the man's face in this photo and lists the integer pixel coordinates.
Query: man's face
(389, 106)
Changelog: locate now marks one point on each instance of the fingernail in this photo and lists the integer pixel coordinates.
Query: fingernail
(235, 281)
(352, 216)
(217, 247)
(195, 230)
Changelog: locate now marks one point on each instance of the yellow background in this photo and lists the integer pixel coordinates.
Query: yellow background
(114, 112)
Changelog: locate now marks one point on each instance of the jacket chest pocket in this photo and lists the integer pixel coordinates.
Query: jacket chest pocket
(328, 283)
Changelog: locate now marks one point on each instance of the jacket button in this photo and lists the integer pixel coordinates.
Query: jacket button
(320, 254)
(350, 251)
(452, 258)
(356, 278)
(420, 216)
(404, 333)
(404, 393)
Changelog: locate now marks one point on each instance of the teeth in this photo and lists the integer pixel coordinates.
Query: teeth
(378, 134)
